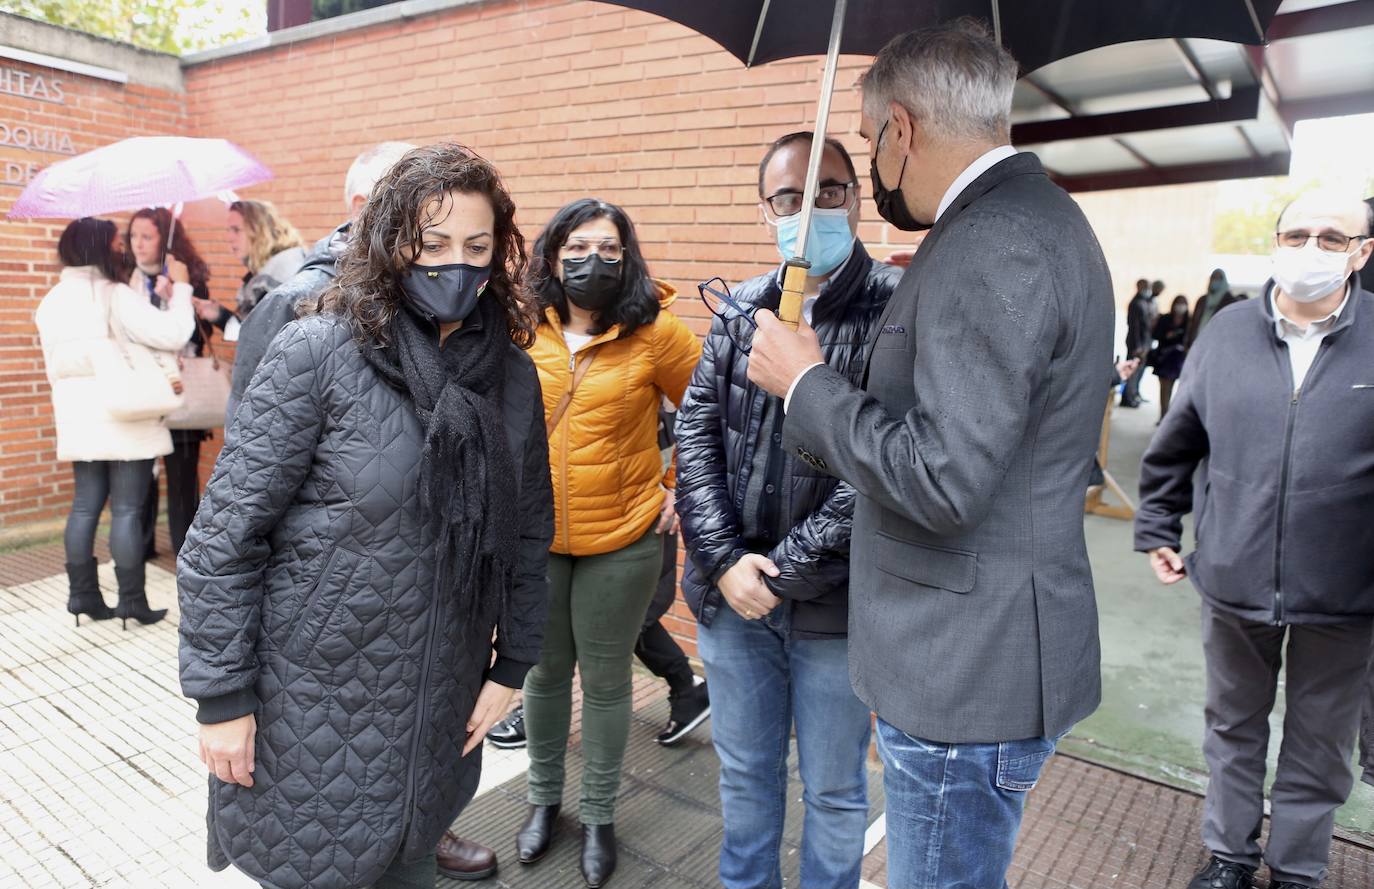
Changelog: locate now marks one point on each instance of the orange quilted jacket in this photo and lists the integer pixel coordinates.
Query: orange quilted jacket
(607, 469)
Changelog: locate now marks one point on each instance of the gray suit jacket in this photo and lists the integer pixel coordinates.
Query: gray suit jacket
(972, 615)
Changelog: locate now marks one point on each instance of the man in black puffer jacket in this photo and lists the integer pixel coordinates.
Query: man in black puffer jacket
(768, 539)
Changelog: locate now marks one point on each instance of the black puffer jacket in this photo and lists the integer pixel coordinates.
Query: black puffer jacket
(308, 598)
(718, 430)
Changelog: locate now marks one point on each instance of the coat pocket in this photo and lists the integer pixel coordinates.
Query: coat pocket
(318, 606)
(955, 570)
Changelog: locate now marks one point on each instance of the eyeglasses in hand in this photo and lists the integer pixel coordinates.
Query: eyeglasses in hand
(737, 319)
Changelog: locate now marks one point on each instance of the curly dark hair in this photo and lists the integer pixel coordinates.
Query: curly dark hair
(386, 240)
(183, 248)
(637, 303)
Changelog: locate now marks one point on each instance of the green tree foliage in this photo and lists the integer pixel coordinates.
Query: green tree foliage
(1249, 229)
(174, 26)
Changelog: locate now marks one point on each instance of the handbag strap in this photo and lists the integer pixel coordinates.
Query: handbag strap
(579, 372)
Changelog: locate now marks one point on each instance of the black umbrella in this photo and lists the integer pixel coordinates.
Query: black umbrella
(1036, 32)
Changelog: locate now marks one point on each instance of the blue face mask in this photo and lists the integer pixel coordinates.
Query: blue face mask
(827, 246)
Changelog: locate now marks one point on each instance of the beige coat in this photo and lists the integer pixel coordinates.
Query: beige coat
(72, 325)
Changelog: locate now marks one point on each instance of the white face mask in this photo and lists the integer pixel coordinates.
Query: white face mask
(1307, 274)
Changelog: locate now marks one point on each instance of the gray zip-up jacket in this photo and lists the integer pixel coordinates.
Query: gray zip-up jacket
(1285, 514)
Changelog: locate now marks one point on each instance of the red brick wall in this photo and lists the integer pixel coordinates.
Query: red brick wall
(91, 113)
(569, 99)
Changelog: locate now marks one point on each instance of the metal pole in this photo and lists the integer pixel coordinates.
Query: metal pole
(794, 277)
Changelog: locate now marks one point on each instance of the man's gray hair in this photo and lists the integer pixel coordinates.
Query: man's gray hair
(955, 78)
(371, 166)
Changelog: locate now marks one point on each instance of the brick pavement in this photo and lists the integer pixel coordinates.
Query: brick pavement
(100, 785)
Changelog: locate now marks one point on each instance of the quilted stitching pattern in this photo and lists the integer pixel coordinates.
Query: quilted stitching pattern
(308, 576)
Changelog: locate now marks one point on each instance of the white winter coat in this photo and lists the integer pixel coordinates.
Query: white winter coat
(72, 326)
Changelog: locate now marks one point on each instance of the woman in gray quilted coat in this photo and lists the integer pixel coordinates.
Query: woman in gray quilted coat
(381, 511)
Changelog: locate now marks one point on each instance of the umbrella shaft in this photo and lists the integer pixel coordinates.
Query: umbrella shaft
(813, 172)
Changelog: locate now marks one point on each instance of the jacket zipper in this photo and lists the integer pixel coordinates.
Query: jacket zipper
(562, 432)
(1283, 506)
(422, 702)
(1284, 473)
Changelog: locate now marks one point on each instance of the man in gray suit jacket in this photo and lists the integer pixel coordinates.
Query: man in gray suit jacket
(973, 623)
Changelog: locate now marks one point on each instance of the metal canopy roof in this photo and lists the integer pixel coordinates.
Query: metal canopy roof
(1163, 112)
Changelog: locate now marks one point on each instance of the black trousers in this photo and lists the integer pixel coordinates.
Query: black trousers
(183, 490)
(656, 648)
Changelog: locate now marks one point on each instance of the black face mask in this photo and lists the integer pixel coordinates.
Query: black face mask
(592, 283)
(445, 293)
(891, 203)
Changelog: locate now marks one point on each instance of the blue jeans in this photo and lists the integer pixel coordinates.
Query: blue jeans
(953, 810)
(761, 682)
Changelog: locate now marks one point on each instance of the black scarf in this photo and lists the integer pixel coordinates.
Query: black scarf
(467, 474)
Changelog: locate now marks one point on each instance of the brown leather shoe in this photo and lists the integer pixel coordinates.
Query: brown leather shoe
(461, 859)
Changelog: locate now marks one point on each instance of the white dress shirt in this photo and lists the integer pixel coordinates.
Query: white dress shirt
(1304, 342)
(981, 165)
(985, 162)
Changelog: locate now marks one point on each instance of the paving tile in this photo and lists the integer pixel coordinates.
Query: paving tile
(100, 785)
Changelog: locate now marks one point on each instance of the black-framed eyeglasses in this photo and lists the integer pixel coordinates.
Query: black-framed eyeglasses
(1331, 242)
(828, 197)
(737, 319)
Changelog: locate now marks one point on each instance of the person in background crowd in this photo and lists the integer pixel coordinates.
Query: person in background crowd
(1170, 332)
(111, 459)
(269, 247)
(147, 233)
(689, 701)
(1270, 401)
(768, 541)
(608, 351)
(381, 509)
(278, 308)
(972, 622)
(1140, 319)
(1217, 297)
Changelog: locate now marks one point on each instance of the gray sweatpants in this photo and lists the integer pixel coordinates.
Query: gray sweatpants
(1325, 690)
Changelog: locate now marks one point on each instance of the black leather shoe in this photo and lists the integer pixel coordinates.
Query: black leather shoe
(1221, 874)
(533, 841)
(598, 854)
(509, 733)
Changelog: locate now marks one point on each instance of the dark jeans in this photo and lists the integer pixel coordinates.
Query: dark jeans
(1324, 688)
(953, 810)
(124, 484)
(183, 490)
(656, 648)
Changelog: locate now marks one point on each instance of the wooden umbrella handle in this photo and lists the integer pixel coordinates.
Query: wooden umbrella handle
(793, 282)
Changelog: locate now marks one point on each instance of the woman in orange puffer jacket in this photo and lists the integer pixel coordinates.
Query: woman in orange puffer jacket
(608, 352)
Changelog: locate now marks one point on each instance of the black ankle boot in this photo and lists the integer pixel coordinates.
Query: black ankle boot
(598, 854)
(533, 841)
(84, 596)
(133, 601)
